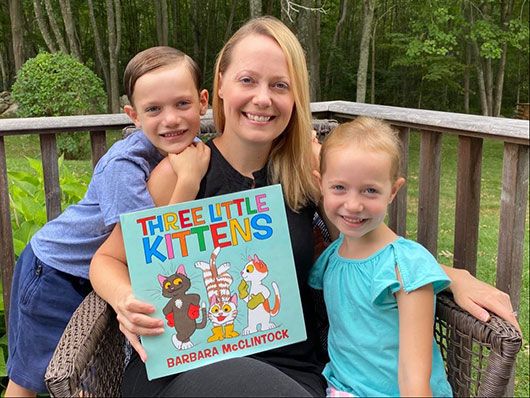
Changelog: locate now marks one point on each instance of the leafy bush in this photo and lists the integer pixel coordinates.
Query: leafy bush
(59, 85)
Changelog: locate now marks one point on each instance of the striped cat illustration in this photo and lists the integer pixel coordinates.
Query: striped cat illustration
(257, 299)
(223, 306)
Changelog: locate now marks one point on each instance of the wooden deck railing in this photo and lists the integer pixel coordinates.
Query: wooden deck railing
(470, 129)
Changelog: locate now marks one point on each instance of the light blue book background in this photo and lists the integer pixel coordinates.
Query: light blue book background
(239, 246)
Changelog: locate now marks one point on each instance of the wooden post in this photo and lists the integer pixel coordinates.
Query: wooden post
(50, 173)
(397, 212)
(429, 189)
(467, 203)
(7, 257)
(98, 144)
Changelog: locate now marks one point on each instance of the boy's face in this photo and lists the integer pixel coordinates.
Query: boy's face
(167, 107)
(357, 189)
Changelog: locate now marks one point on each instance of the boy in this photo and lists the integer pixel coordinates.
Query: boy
(51, 275)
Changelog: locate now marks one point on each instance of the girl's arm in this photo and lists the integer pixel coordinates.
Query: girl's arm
(476, 296)
(109, 274)
(416, 318)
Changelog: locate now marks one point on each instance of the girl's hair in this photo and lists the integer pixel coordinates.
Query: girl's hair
(153, 58)
(369, 134)
(290, 160)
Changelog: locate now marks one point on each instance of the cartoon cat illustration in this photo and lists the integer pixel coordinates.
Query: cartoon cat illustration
(223, 306)
(182, 309)
(257, 299)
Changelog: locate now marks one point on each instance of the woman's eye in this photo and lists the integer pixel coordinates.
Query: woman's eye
(282, 86)
(245, 80)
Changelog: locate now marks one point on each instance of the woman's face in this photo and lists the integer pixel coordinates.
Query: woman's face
(256, 91)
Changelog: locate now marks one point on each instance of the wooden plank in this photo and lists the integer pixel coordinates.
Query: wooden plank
(7, 255)
(429, 189)
(98, 144)
(50, 172)
(397, 211)
(467, 203)
(514, 201)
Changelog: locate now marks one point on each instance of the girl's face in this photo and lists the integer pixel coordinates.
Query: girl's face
(168, 108)
(256, 91)
(357, 189)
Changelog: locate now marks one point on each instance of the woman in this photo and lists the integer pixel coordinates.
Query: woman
(261, 108)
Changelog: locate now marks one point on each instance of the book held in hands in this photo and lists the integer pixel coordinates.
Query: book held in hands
(220, 273)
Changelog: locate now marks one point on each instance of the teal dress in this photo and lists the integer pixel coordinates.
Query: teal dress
(363, 338)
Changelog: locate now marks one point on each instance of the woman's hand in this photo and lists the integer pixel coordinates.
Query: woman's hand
(477, 297)
(134, 320)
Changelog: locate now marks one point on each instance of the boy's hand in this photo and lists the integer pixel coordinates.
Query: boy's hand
(134, 320)
(192, 163)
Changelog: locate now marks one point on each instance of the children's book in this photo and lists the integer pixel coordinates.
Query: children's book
(221, 274)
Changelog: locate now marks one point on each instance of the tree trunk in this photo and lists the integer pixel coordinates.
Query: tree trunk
(114, 29)
(506, 14)
(228, 30)
(333, 47)
(467, 77)
(17, 32)
(255, 8)
(161, 15)
(69, 26)
(308, 34)
(99, 52)
(364, 50)
(55, 28)
(4, 73)
(41, 21)
(194, 18)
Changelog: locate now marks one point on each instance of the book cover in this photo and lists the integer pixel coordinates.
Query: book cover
(221, 274)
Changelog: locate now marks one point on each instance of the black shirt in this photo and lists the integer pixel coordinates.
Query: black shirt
(221, 178)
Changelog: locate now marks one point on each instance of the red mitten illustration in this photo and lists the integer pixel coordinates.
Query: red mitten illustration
(170, 320)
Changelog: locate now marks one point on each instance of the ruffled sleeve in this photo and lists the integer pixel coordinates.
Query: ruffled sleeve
(316, 275)
(417, 267)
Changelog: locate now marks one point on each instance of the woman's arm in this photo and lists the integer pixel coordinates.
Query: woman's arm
(416, 312)
(477, 297)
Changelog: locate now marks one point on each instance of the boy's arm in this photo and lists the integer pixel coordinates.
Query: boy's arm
(476, 296)
(416, 312)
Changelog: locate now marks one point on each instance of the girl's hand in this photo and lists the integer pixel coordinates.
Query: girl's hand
(477, 297)
(134, 320)
(192, 163)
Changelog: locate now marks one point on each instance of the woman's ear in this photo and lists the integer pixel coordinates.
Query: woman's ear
(220, 89)
(133, 115)
(395, 188)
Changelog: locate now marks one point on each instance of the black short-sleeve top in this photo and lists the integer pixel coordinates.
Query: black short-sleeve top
(221, 178)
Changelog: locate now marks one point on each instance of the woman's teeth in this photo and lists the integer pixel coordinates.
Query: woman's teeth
(257, 118)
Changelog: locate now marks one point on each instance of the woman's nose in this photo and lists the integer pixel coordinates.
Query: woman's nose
(262, 97)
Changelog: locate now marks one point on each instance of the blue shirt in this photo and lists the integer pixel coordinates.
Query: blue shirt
(118, 185)
(363, 338)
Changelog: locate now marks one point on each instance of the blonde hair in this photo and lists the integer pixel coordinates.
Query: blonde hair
(153, 58)
(368, 134)
(291, 154)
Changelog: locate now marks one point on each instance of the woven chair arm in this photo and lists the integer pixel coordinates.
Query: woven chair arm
(480, 356)
(90, 357)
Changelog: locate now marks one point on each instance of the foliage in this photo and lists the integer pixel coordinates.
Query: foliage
(28, 202)
(59, 85)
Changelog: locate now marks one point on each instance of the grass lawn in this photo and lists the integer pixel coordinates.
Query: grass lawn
(18, 147)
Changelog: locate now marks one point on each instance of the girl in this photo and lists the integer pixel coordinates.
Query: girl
(379, 288)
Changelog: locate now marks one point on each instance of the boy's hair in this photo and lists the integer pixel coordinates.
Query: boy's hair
(291, 153)
(153, 58)
(368, 134)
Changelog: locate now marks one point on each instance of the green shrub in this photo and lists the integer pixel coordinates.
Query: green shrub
(59, 85)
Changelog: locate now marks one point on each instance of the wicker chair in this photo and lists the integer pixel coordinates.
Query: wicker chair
(90, 357)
